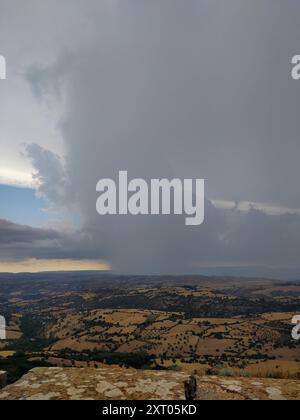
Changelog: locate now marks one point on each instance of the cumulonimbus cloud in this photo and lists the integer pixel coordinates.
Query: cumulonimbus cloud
(178, 94)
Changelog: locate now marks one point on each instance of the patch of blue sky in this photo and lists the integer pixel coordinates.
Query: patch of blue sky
(20, 205)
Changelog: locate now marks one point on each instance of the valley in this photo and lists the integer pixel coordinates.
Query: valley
(218, 326)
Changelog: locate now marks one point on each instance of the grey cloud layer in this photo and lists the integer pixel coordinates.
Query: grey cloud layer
(13, 233)
(18, 242)
(178, 89)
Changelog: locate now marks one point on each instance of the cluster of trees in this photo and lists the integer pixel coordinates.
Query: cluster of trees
(136, 360)
(18, 365)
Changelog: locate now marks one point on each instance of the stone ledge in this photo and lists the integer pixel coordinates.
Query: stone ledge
(115, 383)
(96, 384)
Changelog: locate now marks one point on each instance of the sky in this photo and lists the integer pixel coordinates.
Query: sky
(197, 89)
(21, 205)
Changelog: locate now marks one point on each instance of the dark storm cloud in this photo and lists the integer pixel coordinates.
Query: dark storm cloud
(18, 242)
(180, 89)
(14, 233)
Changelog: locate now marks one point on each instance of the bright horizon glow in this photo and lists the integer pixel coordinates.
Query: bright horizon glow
(40, 265)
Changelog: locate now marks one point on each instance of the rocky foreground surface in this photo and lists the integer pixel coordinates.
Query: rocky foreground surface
(114, 383)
